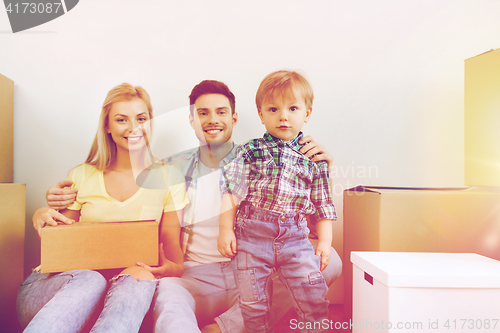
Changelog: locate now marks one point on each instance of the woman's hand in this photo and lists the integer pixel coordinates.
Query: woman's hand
(166, 267)
(46, 215)
(313, 148)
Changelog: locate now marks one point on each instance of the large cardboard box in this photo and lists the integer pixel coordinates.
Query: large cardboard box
(98, 245)
(482, 119)
(425, 292)
(419, 220)
(12, 225)
(6, 130)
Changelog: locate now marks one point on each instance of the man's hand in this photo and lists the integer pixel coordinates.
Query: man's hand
(323, 251)
(166, 268)
(226, 243)
(48, 216)
(59, 197)
(313, 148)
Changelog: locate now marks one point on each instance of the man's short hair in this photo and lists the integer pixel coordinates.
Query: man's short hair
(211, 87)
(284, 83)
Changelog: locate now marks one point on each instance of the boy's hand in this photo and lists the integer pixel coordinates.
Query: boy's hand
(323, 251)
(226, 243)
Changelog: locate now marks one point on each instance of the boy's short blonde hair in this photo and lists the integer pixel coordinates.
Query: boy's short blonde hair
(284, 83)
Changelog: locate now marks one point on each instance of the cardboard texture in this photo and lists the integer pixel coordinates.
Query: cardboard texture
(418, 220)
(6, 130)
(98, 245)
(12, 226)
(412, 290)
(482, 119)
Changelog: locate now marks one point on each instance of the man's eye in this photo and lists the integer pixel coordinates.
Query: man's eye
(202, 113)
(222, 112)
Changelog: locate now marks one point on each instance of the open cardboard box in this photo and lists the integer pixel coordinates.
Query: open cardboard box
(85, 245)
(419, 220)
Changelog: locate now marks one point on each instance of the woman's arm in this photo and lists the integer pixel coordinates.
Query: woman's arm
(46, 215)
(171, 257)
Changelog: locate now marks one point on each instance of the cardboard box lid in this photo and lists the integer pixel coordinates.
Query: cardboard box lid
(414, 190)
(429, 270)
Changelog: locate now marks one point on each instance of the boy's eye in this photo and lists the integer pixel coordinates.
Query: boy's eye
(294, 108)
(273, 109)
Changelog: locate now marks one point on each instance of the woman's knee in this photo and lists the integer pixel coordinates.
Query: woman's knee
(138, 273)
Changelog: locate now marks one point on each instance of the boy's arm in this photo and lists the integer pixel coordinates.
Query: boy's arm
(226, 242)
(323, 249)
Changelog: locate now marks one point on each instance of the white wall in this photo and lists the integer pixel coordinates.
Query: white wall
(387, 75)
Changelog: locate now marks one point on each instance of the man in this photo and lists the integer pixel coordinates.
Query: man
(206, 295)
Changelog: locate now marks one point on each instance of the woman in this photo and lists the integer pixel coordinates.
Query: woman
(107, 192)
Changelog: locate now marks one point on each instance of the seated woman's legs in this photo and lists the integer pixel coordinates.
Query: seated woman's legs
(59, 302)
(127, 301)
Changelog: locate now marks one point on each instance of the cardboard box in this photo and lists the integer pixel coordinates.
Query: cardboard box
(419, 220)
(12, 226)
(98, 245)
(482, 119)
(6, 130)
(425, 292)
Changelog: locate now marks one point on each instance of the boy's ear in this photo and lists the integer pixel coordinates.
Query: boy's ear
(260, 115)
(308, 114)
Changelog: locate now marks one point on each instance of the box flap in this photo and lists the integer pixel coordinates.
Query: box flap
(384, 189)
(429, 270)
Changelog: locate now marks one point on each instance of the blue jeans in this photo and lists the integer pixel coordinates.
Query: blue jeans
(64, 302)
(208, 292)
(268, 242)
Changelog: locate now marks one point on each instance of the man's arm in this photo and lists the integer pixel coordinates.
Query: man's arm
(59, 197)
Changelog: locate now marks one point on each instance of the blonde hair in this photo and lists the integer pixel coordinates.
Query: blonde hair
(103, 150)
(284, 83)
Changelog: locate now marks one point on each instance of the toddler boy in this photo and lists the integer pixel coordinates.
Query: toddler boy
(270, 188)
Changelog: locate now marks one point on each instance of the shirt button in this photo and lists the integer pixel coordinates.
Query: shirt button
(283, 218)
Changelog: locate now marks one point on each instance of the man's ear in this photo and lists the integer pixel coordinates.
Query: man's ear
(235, 118)
(308, 114)
(260, 115)
(191, 121)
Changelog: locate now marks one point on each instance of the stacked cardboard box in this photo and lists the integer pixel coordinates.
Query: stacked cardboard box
(419, 220)
(482, 119)
(12, 214)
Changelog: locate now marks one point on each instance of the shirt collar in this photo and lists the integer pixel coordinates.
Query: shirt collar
(229, 157)
(274, 141)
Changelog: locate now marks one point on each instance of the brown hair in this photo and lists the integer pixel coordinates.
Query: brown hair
(284, 83)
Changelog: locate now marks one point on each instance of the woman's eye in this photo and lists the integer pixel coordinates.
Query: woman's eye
(142, 119)
(121, 120)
